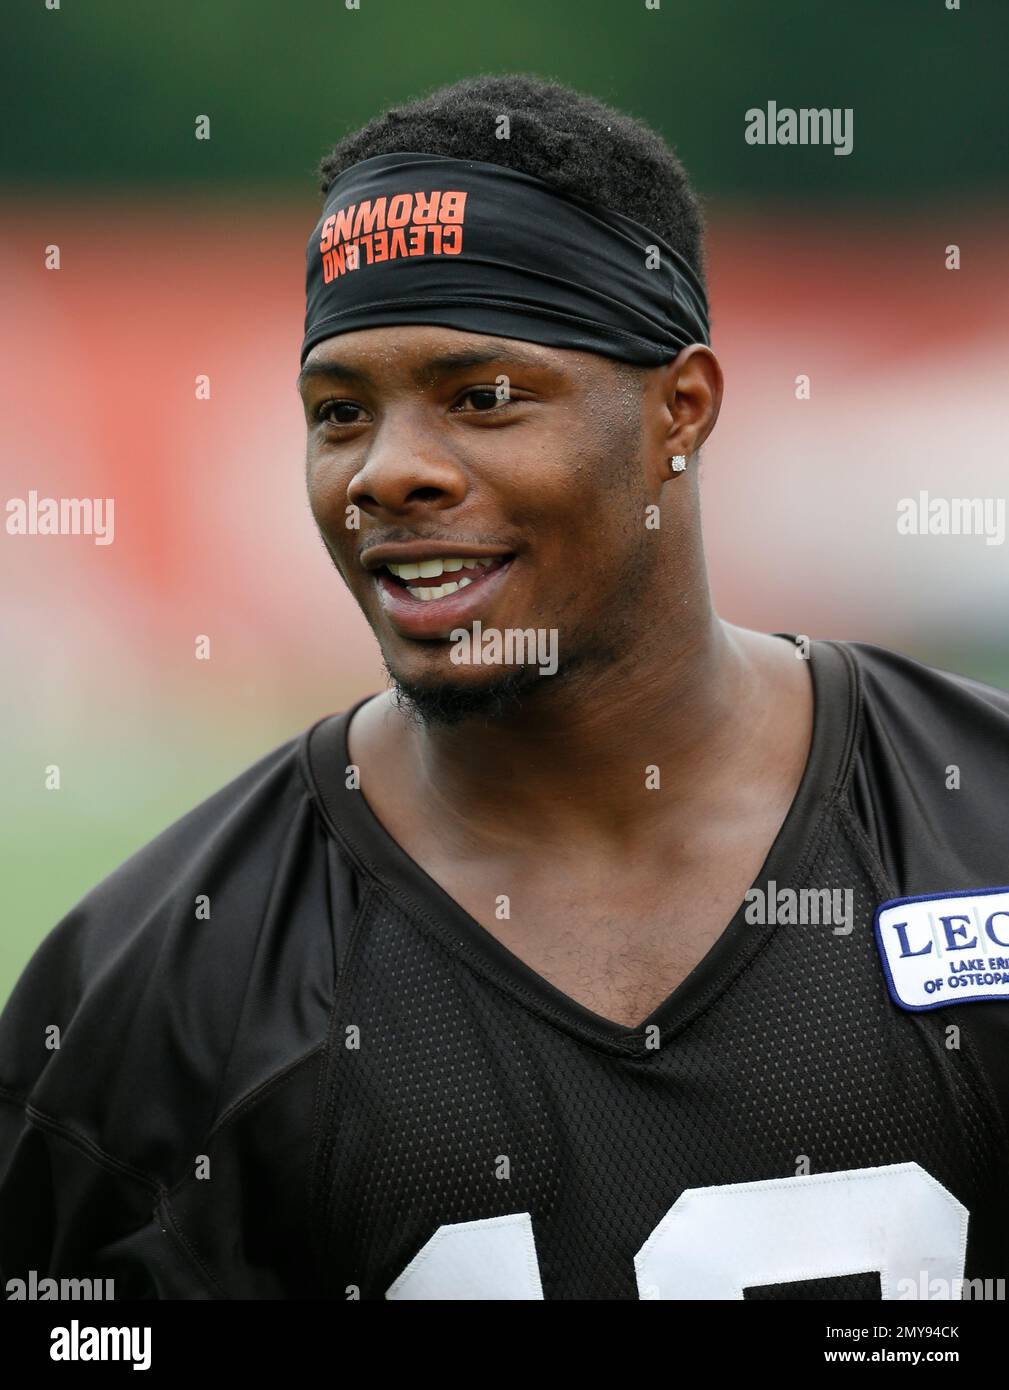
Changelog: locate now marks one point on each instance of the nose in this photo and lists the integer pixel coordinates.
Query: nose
(406, 470)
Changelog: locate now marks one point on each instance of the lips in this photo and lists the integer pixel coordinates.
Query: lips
(439, 576)
(433, 617)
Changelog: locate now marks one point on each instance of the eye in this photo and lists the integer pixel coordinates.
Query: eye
(488, 400)
(324, 411)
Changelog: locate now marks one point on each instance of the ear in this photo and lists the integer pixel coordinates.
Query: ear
(690, 393)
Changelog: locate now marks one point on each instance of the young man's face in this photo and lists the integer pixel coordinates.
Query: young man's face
(408, 428)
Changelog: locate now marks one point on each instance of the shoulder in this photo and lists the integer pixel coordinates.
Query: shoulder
(930, 773)
(899, 688)
(202, 965)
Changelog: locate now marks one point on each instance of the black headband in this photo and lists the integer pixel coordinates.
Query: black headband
(427, 239)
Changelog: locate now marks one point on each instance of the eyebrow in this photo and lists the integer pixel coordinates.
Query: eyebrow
(430, 370)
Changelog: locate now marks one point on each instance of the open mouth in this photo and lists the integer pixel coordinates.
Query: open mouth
(430, 580)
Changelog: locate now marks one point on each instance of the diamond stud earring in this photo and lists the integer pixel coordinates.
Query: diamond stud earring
(678, 462)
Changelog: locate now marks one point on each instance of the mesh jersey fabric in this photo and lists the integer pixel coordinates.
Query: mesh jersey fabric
(291, 1098)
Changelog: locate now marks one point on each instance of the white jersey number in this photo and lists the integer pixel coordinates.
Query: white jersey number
(714, 1242)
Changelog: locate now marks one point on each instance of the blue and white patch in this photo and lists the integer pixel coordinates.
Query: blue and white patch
(945, 948)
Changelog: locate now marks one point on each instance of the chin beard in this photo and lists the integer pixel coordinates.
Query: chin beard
(449, 703)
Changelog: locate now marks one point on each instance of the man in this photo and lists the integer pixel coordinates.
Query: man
(587, 963)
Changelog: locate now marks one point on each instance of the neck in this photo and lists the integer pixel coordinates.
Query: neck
(574, 760)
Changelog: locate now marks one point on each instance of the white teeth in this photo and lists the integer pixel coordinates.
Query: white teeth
(426, 594)
(431, 569)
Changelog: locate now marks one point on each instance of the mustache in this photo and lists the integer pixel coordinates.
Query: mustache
(400, 536)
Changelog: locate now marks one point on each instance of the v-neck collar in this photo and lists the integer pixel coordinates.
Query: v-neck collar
(351, 821)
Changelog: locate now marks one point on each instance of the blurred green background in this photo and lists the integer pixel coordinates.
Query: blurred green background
(105, 93)
(183, 256)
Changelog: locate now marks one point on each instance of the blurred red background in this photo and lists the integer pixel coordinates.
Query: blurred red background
(907, 363)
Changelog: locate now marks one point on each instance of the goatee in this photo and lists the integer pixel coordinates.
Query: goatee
(451, 703)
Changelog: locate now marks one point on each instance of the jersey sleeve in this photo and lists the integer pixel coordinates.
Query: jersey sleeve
(63, 1197)
(61, 1207)
(930, 792)
(175, 991)
(931, 782)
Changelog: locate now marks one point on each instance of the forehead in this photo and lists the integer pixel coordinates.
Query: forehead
(424, 353)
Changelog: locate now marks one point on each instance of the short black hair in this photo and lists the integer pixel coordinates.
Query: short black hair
(568, 139)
